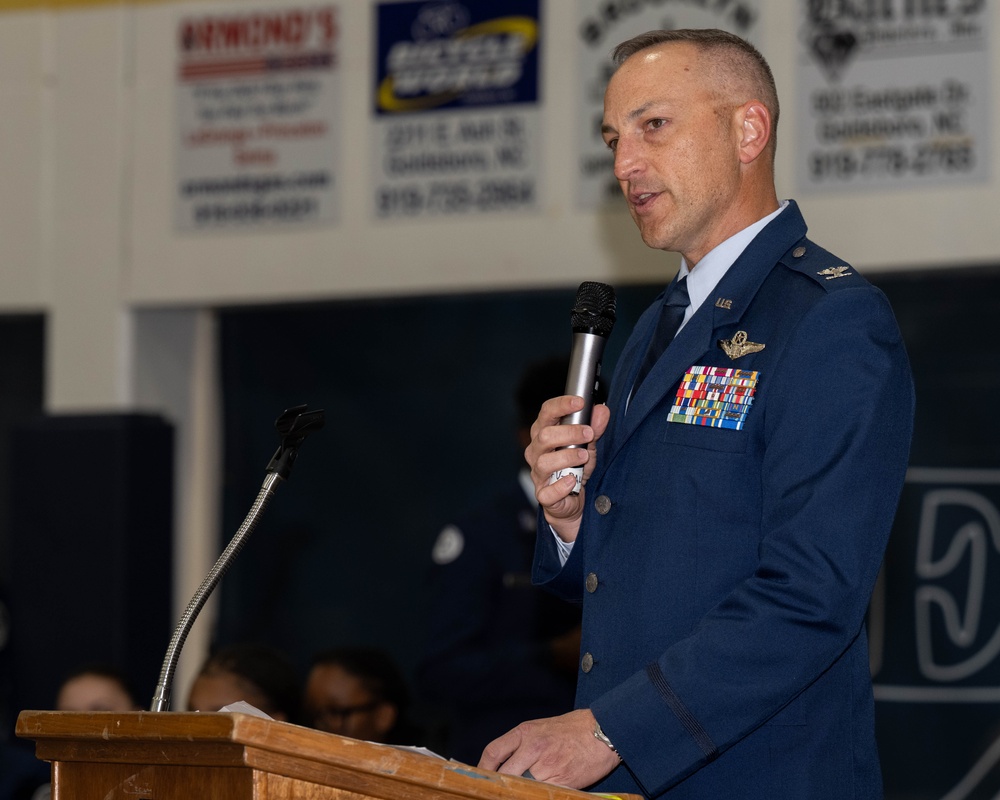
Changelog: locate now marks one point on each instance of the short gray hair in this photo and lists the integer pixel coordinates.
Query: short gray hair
(739, 59)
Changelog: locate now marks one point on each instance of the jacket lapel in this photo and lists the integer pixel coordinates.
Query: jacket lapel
(698, 336)
(689, 344)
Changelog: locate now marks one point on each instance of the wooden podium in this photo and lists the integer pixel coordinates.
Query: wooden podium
(183, 756)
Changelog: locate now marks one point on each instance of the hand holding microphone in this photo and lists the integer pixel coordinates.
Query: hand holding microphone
(592, 319)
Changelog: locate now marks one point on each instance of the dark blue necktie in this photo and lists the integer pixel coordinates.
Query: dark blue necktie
(671, 313)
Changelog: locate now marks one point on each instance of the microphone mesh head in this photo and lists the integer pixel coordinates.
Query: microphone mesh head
(594, 308)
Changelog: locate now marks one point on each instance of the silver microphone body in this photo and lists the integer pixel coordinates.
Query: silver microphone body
(593, 318)
(584, 370)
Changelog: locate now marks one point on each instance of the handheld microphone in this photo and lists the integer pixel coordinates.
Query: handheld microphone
(592, 318)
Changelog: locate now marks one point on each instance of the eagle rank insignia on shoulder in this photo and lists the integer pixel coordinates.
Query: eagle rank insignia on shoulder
(738, 346)
(832, 273)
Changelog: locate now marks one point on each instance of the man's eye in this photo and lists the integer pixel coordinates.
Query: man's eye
(656, 123)
(612, 144)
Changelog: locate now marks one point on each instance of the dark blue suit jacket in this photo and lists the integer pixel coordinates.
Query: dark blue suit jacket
(723, 632)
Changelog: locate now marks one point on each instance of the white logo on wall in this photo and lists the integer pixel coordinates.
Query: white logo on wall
(949, 603)
(943, 551)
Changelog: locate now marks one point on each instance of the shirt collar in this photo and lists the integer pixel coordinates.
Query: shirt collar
(716, 263)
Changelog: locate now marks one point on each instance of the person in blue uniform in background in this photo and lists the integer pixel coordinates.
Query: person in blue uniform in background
(499, 650)
(741, 482)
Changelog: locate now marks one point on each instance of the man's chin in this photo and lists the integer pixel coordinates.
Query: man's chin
(654, 239)
(646, 231)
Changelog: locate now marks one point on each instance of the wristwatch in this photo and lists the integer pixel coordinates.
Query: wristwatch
(602, 736)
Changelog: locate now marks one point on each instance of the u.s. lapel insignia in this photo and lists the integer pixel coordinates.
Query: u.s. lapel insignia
(724, 302)
(835, 272)
(738, 346)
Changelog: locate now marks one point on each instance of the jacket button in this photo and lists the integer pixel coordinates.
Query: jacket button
(602, 504)
(587, 662)
(591, 582)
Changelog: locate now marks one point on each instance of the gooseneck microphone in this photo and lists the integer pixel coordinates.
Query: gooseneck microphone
(293, 427)
(592, 318)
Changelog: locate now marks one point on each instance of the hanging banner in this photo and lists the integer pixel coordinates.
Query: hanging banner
(456, 113)
(894, 94)
(601, 27)
(258, 137)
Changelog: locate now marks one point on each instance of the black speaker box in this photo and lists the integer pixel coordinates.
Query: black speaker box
(91, 557)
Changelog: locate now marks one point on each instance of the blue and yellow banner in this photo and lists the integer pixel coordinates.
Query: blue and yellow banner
(452, 55)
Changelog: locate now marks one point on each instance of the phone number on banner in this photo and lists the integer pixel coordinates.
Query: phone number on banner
(286, 209)
(880, 161)
(455, 197)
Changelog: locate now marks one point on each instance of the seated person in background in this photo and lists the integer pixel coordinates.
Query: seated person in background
(499, 650)
(96, 687)
(256, 674)
(358, 692)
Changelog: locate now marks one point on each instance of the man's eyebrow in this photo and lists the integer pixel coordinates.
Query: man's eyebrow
(631, 117)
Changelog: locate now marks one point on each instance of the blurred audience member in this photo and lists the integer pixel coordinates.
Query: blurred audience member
(361, 693)
(93, 687)
(256, 674)
(499, 650)
(97, 687)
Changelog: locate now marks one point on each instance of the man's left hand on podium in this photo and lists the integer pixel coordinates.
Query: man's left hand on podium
(561, 750)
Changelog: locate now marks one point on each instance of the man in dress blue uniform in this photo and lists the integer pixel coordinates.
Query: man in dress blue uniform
(738, 494)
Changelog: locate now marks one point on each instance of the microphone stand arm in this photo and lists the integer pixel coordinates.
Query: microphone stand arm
(161, 698)
(293, 426)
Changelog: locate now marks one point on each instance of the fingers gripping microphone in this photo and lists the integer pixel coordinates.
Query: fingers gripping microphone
(592, 318)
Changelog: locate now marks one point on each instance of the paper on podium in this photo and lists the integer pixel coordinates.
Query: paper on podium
(243, 707)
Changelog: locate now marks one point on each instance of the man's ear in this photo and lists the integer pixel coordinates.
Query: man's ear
(755, 130)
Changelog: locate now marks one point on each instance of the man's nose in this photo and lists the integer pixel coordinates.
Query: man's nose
(628, 159)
